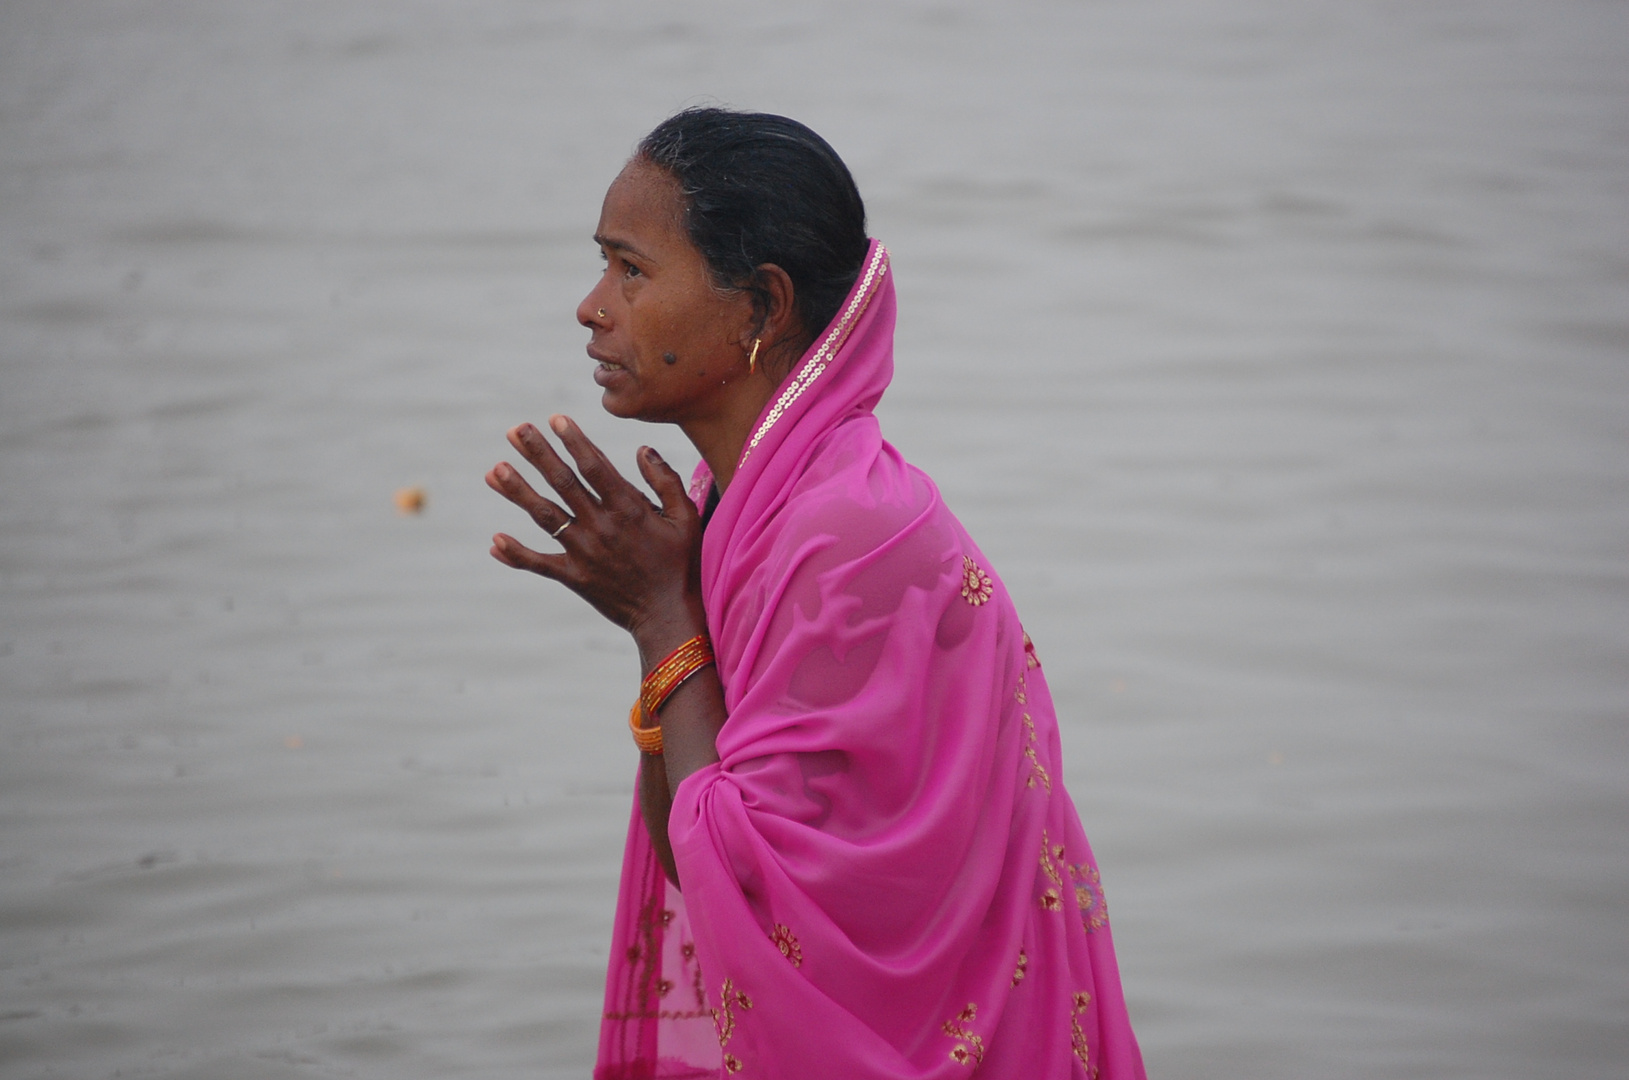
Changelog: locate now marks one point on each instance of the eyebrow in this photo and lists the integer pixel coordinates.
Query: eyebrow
(618, 245)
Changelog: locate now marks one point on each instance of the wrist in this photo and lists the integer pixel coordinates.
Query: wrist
(661, 681)
(657, 637)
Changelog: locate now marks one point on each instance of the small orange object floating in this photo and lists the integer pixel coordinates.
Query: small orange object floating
(410, 500)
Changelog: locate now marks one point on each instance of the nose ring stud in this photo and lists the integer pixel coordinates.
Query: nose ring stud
(602, 313)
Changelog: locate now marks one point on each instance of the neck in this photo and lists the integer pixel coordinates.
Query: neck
(720, 438)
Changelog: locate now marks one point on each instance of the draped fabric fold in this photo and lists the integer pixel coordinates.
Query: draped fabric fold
(883, 876)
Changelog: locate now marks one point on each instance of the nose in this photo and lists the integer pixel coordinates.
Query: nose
(591, 311)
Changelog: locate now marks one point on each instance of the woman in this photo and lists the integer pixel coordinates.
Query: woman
(851, 854)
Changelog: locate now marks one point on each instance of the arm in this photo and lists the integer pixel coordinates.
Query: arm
(639, 565)
(690, 722)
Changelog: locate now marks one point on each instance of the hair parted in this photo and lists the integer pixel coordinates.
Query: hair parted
(760, 188)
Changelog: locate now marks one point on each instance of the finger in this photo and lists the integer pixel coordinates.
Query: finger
(511, 552)
(668, 484)
(596, 468)
(503, 479)
(556, 473)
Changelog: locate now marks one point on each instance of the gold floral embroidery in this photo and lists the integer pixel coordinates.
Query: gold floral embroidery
(1022, 969)
(1046, 859)
(1094, 909)
(1030, 659)
(663, 987)
(1037, 771)
(1051, 899)
(787, 943)
(976, 584)
(729, 999)
(1077, 1037)
(971, 1049)
(688, 951)
(646, 987)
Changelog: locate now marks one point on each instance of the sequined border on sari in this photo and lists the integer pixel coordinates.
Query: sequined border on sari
(874, 271)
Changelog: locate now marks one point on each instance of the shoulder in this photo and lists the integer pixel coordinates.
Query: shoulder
(856, 487)
(862, 521)
(854, 525)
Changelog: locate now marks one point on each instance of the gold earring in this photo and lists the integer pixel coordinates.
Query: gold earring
(602, 313)
(752, 361)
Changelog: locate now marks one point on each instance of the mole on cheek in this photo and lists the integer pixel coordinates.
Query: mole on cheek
(669, 358)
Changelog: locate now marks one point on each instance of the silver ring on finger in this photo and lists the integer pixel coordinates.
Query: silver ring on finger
(556, 533)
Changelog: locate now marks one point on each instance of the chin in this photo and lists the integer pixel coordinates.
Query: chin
(625, 409)
(617, 406)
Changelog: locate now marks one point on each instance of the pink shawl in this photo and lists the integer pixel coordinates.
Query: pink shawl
(883, 876)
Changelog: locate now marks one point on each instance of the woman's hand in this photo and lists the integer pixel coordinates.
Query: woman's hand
(637, 563)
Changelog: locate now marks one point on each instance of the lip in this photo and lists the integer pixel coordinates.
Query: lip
(608, 368)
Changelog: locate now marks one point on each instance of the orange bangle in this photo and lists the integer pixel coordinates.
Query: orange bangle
(675, 668)
(648, 739)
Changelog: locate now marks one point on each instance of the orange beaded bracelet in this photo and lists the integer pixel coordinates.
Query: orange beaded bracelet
(666, 677)
(648, 739)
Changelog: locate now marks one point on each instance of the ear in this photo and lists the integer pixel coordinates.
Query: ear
(781, 323)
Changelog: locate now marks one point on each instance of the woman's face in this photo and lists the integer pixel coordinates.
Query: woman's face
(668, 343)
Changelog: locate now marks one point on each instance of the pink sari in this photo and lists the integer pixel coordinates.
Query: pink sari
(883, 875)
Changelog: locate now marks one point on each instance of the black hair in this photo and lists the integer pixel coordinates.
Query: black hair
(761, 188)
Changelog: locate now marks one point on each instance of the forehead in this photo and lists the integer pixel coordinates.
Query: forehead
(643, 209)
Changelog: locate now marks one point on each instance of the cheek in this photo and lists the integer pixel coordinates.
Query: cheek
(715, 328)
(670, 331)
(698, 335)
(648, 334)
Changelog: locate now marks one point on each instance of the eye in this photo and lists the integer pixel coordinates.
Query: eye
(630, 270)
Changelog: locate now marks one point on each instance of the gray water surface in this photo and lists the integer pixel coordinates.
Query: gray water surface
(1277, 353)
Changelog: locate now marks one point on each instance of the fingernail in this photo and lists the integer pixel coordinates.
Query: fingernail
(652, 456)
(560, 424)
